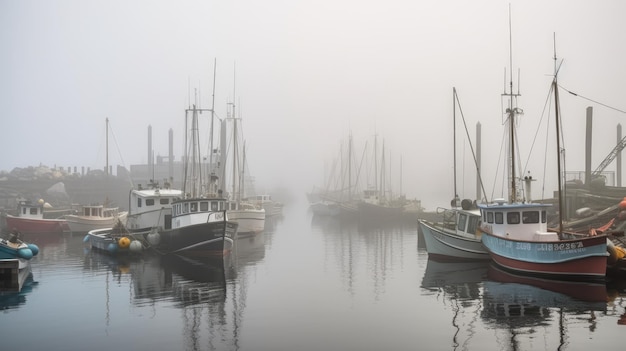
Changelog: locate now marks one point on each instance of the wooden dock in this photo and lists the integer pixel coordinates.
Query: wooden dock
(11, 277)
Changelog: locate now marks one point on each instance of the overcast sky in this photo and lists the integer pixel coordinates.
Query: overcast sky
(306, 74)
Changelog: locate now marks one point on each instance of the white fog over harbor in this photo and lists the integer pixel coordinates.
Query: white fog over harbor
(306, 75)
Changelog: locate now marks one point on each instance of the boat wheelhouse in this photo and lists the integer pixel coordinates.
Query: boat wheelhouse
(197, 210)
(521, 221)
(150, 208)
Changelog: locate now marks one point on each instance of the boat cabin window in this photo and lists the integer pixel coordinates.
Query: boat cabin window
(489, 217)
(23, 210)
(530, 217)
(33, 210)
(204, 206)
(214, 206)
(512, 217)
(472, 224)
(149, 202)
(138, 202)
(186, 207)
(164, 201)
(461, 222)
(499, 218)
(543, 217)
(194, 207)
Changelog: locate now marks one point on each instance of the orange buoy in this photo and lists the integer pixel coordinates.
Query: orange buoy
(622, 205)
(124, 242)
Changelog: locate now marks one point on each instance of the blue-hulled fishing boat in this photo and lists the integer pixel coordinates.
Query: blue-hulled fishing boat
(515, 231)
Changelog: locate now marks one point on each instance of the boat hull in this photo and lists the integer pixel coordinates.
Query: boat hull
(200, 240)
(84, 224)
(325, 208)
(577, 259)
(449, 246)
(249, 222)
(35, 225)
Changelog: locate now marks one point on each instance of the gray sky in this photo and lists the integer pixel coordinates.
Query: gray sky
(307, 74)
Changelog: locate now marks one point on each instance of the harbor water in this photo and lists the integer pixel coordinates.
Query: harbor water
(306, 283)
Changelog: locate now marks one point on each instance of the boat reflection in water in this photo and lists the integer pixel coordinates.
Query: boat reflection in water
(458, 285)
(207, 295)
(179, 279)
(522, 312)
(524, 308)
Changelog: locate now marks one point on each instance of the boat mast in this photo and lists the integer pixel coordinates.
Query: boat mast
(456, 194)
(558, 141)
(242, 178)
(350, 167)
(235, 156)
(511, 111)
(195, 155)
(106, 172)
(376, 165)
(211, 171)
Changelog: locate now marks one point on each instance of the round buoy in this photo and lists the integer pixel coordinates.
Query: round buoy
(25, 253)
(154, 239)
(622, 205)
(34, 248)
(124, 242)
(112, 248)
(621, 215)
(135, 246)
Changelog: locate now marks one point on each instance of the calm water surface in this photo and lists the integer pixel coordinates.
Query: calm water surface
(307, 283)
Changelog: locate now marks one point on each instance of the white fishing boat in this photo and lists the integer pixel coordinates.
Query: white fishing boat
(92, 217)
(249, 217)
(455, 236)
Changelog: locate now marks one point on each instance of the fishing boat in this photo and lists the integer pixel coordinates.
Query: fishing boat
(15, 256)
(272, 208)
(93, 217)
(200, 227)
(515, 231)
(376, 203)
(30, 219)
(325, 208)
(199, 220)
(250, 218)
(455, 236)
